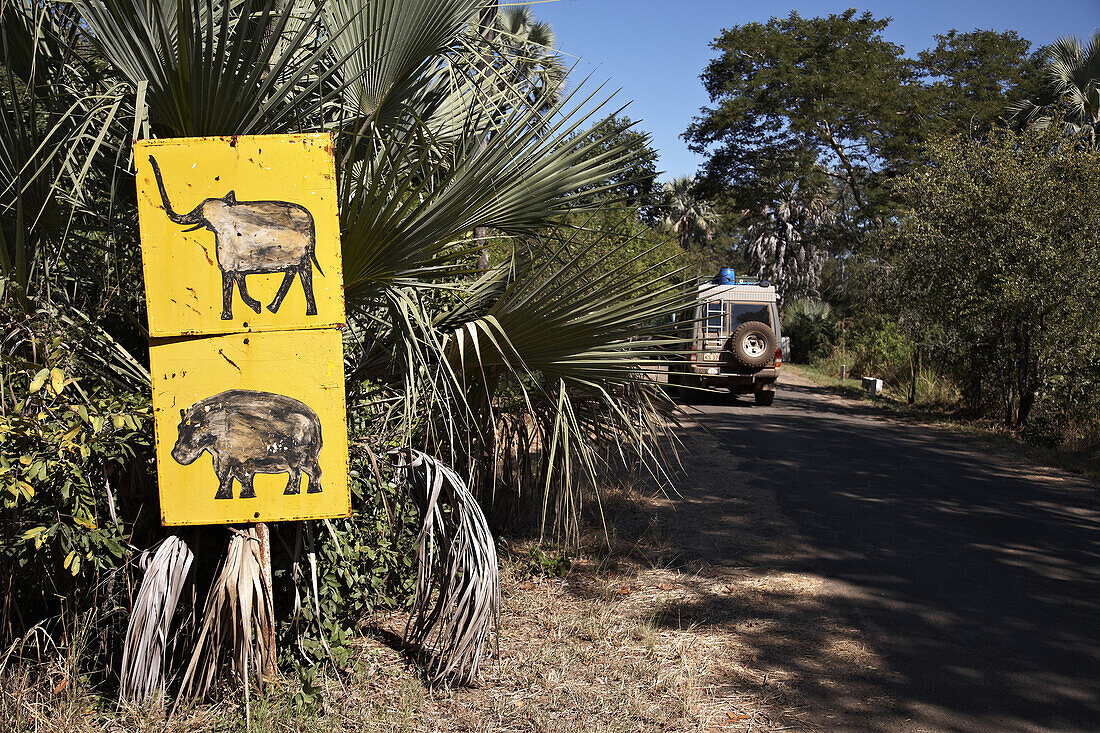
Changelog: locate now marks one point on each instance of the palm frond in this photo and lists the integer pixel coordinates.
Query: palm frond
(405, 218)
(477, 297)
(54, 124)
(457, 600)
(146, 653)
(573, 322)
(1071, 89)
(236, 621)
(225, 68)
(396, 52)
(561, 369)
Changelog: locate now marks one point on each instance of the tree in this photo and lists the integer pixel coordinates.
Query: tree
(526, 47)
(516, 66)
(635, 186)
(968, 77)
(795, 94)
(796, 98)
(788, 242)
(1071, 89)
(997, 249)
(691, 217)
(812, 327)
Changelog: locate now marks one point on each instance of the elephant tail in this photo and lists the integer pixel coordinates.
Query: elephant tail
(313, 256)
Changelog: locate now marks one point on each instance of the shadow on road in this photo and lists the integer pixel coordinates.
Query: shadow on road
(975, 578)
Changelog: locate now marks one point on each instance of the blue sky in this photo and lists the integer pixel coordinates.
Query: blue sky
(655, 50)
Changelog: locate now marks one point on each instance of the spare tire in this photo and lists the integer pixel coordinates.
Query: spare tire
(752, 345)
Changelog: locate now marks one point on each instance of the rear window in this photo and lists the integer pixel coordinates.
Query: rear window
(720, 318)
(745, 312)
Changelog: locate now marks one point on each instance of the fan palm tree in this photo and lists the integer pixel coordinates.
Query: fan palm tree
(52, 132)
(517, 50)
(688, 215)
(527, 46)
(1071, 89)
(784, 241)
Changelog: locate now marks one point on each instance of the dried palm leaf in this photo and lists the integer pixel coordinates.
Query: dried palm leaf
(145, 653)
(237, 621)
(457, 599)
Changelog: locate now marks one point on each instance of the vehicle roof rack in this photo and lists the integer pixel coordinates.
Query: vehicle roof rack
(704, 280)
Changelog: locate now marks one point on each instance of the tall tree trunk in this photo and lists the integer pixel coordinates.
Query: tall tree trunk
(1027, 371)
(481, 234)
(1022, 377)
(914, 370)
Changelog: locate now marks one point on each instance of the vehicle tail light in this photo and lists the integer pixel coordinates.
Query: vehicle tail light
(778, 358)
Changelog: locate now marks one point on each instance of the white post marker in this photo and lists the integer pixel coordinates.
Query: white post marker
(872, 385)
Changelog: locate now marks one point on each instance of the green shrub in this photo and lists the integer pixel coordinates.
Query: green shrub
(334, 574)
(880, 349)
(75, 465)
(812, 328)
(553, 564)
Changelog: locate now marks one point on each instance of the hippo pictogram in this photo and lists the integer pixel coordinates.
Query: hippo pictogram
(249, 432)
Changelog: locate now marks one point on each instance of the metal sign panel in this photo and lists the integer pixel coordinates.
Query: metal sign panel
(251, 427)
(239, 234)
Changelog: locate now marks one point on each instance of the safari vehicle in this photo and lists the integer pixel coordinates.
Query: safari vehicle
(734, 339)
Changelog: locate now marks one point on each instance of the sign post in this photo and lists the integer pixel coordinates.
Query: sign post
(264, 535)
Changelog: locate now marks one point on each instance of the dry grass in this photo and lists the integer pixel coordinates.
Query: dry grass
(606, 648)
(617, 645)
(652, 629)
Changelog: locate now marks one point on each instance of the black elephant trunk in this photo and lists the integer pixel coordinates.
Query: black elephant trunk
(194, 217)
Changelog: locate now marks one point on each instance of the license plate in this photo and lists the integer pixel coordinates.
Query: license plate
(711, 356)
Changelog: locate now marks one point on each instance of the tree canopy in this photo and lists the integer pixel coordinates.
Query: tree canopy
(796, 95)
(636, 183)
(970, 77)
(797, 102)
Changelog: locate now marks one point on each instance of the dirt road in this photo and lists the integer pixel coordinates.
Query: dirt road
(971, 578)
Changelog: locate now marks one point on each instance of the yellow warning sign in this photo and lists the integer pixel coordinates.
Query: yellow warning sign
(251, 427)
(239, 234)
